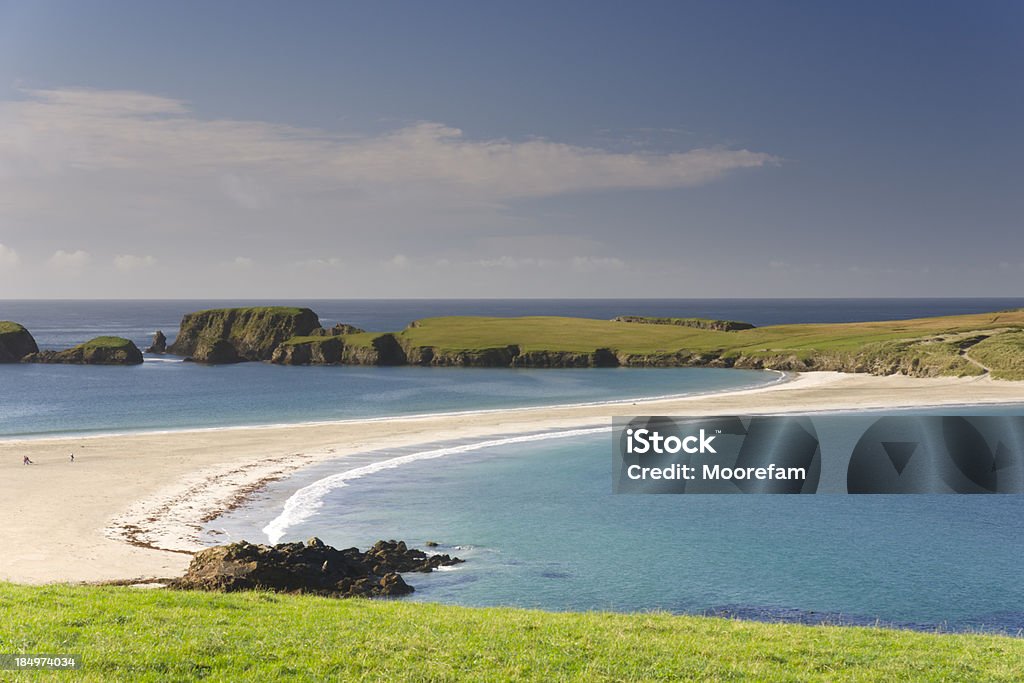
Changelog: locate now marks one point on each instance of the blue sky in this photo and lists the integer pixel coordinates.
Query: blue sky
(513, 149)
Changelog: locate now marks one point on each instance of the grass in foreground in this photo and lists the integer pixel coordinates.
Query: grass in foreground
(126, 634)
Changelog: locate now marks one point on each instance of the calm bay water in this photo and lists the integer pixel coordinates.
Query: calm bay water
(540, 528)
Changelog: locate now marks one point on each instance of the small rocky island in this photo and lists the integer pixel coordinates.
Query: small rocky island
(18, 346)
(310, 567)
(15, 342)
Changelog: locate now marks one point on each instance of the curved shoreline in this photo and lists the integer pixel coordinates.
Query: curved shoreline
(134, 505)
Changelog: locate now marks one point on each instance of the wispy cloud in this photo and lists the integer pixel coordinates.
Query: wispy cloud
(69, 260)
(74, 130)
(133, 262)
(8, 257)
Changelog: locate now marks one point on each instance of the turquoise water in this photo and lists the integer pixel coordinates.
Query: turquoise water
(539, 527)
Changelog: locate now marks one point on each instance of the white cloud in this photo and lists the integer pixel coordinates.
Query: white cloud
(243, 262)
(332, 262)
(400, 261)
(132, 262)
(69, 260)
(53, 132)
(8, 257)
(516, 262)
(591, 263)
(583, 264)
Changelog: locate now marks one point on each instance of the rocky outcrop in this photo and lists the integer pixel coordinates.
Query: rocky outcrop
(98, 351)
(599, 358)
(383, 349)
(511, 357)
(699, 323)
(337, 330)
(500, 357)
(316, 351)
(15, 342)
(231, 335)
(310, 567)
(159, 344)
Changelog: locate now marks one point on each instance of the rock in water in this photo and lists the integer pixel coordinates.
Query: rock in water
(311, 567)
(159, 344)
(98, 351)
(251, 333)
(15, 342)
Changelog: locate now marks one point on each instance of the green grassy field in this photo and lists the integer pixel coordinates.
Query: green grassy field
(1003, 353)
(125, 634)
(924, 346)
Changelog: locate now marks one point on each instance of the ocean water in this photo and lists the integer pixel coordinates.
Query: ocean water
(538, 526)
(47, 400)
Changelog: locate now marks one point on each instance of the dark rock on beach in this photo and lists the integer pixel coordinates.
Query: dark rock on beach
(311, 567)
(159, 344)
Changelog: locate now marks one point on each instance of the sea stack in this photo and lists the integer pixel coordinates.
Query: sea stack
(159, 344)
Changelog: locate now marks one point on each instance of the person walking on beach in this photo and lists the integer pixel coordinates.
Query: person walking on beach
(26, 461)
(72, 457)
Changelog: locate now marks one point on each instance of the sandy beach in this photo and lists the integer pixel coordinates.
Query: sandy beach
(133, 506)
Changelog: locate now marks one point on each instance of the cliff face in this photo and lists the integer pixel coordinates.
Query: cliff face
(15, 342)
(231, 335)
(510, 357)
(382, 349)
(320, 351)
(98, 351)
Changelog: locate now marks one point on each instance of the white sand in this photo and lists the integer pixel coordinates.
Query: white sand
(68, 521)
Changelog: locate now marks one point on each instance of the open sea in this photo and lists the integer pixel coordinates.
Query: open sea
(534, 516)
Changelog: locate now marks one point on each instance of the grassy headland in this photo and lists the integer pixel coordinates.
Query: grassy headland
(920, 347)
(132, 635)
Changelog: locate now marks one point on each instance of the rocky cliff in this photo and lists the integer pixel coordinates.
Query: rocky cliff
(98, 351)
(359, 348)
(15, 342)
(159, 344)
(231, 335)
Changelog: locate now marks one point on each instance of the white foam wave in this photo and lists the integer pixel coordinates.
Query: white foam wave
(305, 502)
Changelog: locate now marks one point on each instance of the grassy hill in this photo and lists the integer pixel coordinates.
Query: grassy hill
(132, 635)
(923, 346)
